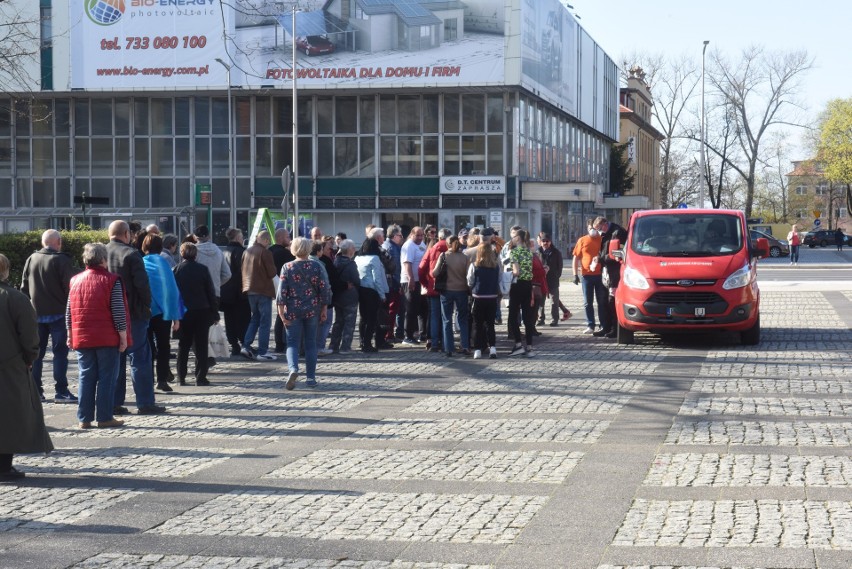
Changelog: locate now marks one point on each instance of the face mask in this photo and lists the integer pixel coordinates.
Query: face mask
(593, 232)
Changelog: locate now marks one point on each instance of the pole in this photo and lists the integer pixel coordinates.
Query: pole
(295, 137)
(701, 180)
(232, 186)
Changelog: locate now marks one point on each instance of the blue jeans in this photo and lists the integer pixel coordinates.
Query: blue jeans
(260, 323)
(141, 367)
(323, 329)
(344, 327)
(794, 258)
(58, 336)
(459, 299)
(298, 328)
(594, 290)
(98, 368)
(435, 321)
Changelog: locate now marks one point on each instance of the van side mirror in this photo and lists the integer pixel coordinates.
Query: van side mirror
(761, 250)
(615, 251)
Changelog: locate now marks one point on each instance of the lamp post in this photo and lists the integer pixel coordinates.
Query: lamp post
(295, 137)
(232, 186)
(701, 176)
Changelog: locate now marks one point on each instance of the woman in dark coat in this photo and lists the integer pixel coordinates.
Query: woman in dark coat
(196, 288)
(22, 429)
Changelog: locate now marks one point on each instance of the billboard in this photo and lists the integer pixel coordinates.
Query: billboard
(120, 44)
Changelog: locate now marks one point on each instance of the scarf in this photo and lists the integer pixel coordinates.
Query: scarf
(165, 297)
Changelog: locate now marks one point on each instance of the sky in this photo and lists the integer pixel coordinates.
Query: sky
(679, 27)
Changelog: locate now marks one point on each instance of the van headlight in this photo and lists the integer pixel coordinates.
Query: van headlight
(738, 279)
(634, 279)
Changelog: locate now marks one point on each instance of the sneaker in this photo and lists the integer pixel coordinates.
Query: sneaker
(85, 425)
(566, 314)
(311, 382)
(589, 330)
(121, 410)
(493, 353)
(410, 341)
(612, 334)
(325, 352)
(164, 386)
(268, 357)
(344, 352)
(529, 353)
(110, 424)
(202, 382)
(66, 397)
(477, 354)
(517, 350)
(291, 380)
(540, 322)
(247, 353)
(600, 333)
(151, 410)
(11, 474)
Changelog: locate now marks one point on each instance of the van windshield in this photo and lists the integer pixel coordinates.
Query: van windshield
(687, 235)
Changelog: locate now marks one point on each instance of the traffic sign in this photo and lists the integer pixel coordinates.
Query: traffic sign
(682, 206)
(817, 222)
(817, 213)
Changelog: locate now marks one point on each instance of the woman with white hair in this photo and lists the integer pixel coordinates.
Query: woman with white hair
(303, 296)
(22, 427)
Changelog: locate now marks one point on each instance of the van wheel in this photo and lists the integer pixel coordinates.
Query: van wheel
(625, 336)
(751, 337)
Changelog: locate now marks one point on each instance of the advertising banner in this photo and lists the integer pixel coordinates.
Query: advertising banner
(473, 185)
(119, 44)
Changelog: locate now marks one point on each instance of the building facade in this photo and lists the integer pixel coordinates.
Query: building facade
(811, 196)
(468, 127)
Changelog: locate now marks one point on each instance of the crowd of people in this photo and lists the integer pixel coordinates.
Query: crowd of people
(434, 287)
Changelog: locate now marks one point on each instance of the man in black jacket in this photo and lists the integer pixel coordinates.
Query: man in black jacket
(280, 255)
(233, 302)
(46, 280)
(127, 263)
(551, 258)
(611, 267)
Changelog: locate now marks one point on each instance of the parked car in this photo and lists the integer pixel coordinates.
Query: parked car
(314, 45)
(777, 247)
(821, 237)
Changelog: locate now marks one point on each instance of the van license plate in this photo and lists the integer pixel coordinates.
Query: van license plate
(699, 312)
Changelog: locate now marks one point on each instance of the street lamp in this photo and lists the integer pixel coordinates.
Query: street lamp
(295, 137)
(701, 176)
(232, 186)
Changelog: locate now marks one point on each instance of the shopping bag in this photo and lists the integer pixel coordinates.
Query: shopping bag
(217, 342)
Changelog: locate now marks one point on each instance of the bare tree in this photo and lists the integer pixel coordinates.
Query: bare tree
(774, 201)
(20, 45)
(762, 91)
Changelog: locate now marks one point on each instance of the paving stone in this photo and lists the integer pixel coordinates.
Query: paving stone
(547, 467)
(122, 461)
(372, 516)
(340, 381)
(767, 363)
(766, 406)
(767, 385)
(291, 402)
(548, 385)
(159, 561)
(603, 404)
(672, 567)
(694, 469)
(520, 430)
(567, 363)
(737, 523)
(769, 433)
(48, 509)
(172, 425)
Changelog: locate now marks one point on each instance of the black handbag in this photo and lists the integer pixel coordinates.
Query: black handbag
(441, 279)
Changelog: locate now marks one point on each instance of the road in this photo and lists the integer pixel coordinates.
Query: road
(692, 452)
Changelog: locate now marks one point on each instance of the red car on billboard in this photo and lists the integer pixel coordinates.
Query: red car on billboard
(314, 45)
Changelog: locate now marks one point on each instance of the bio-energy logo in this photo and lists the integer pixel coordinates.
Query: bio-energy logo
(105, 12)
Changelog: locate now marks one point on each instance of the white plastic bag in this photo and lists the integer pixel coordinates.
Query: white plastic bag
(506, 278)
(218, 342)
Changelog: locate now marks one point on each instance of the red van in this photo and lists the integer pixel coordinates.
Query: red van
(688, 270)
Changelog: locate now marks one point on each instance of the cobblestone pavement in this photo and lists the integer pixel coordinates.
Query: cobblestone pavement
(684, 452)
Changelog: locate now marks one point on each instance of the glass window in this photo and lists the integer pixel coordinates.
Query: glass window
(6, 196)
(346, 115)
(122, 192)
(63, 157)
(495, 113)
(473, 155)
(202, 115)
(473, 113)
(122, 156)
(242, 115)
(219, 156)
(409, 114)
(182, 157)
(304, 116)
(346, 156)
(101, 188)
(141, 164)
(81, 117)
(5, 158)
(451, 113)
(161, 116)
(431, 158)
(43, 157)
(325, 156)
(325, 115)
(122, 117)
(409, 155)
(221, 198)
(201, 157)
(368, 156)
(42, 118)
(282, 154)
(102, 158)
(162, 193)
(22, 117)
(43, 193)
(102, 117)
(5, 117)
(388, 156)
(282, 119)
(162, 157)
(306, 156)
(262, 116)
(140, 116)
(63, 192)
(24, 195)
(263, 156)
(220, 116)
(367, 118)
(182, 116)
(387, 106)
(142, 194)
(431, 111)
(243, 197)
(451, 155)
(242, 155)
(81, 156)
